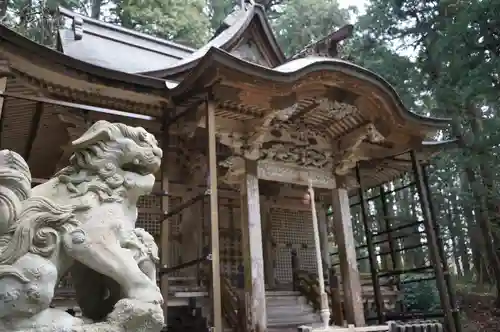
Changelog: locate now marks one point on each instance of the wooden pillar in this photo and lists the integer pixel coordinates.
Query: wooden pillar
(353, 299)
(253, 256)
(323, 236)
(214, 217)
(372, 259)
(164, 226)
(432, 239)
(267, 242)
(324, 310)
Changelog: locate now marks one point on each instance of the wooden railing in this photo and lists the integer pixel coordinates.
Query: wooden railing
(307, 284)
(233, 307)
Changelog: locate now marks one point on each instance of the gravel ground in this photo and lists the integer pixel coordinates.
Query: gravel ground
(480, 313)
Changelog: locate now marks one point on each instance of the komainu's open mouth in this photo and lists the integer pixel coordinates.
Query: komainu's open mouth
(143, 168)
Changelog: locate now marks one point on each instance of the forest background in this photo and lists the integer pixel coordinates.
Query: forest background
(442, 56)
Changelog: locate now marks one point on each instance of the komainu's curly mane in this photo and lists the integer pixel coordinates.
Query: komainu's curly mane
(95, 170)
(95, 164)
(38, 230)
(15, 187)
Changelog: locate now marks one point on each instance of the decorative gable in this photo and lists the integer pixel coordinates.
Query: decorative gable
(250, 51)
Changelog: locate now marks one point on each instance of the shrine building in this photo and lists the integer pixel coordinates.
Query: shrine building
(263, 155)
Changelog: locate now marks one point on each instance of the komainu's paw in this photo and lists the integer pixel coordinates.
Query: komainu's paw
(133, 315)
(147, 294)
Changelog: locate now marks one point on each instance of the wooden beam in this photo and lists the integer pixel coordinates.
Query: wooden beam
(344, 237)
(252, 246)
(192, 109)
(35, 125)
(80, 107)
(214, 213)
(302, 112)
(286, 173)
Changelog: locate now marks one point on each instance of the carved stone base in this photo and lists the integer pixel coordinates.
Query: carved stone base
(128, 316)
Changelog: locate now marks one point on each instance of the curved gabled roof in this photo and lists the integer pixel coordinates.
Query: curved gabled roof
(295, 75)
(226, 40)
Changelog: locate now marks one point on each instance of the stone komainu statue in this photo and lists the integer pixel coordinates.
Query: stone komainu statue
(83, 221)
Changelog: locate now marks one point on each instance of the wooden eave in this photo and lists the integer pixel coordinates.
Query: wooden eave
(244, 83)
(67, 78)
(250, 96)
(228, 39)
(379, 171)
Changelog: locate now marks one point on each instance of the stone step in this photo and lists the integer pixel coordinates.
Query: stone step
(292, 323)
(286, 310)
(285, 302)
(281, 293)
(306, 317)
(289, 311)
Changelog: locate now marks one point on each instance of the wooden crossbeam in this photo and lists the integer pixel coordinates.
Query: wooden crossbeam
(81, 107)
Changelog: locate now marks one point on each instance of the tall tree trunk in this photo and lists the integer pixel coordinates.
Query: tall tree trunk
(453, 237)
(486, 232)
(475, 240)
(96, 9)
(483, 196)
(25, 14)
(4, 4)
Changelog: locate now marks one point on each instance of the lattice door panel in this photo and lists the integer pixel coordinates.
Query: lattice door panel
(292, 229)
(149, 202)
(150, 221)
(225, 241)
(283, 265)
(174, 228)
(230, 249)
(307, 259)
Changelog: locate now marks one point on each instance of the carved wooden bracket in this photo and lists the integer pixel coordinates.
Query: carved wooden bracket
(257, 138)
(349, 148)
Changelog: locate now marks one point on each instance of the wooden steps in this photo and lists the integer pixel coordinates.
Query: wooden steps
(287, 310)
